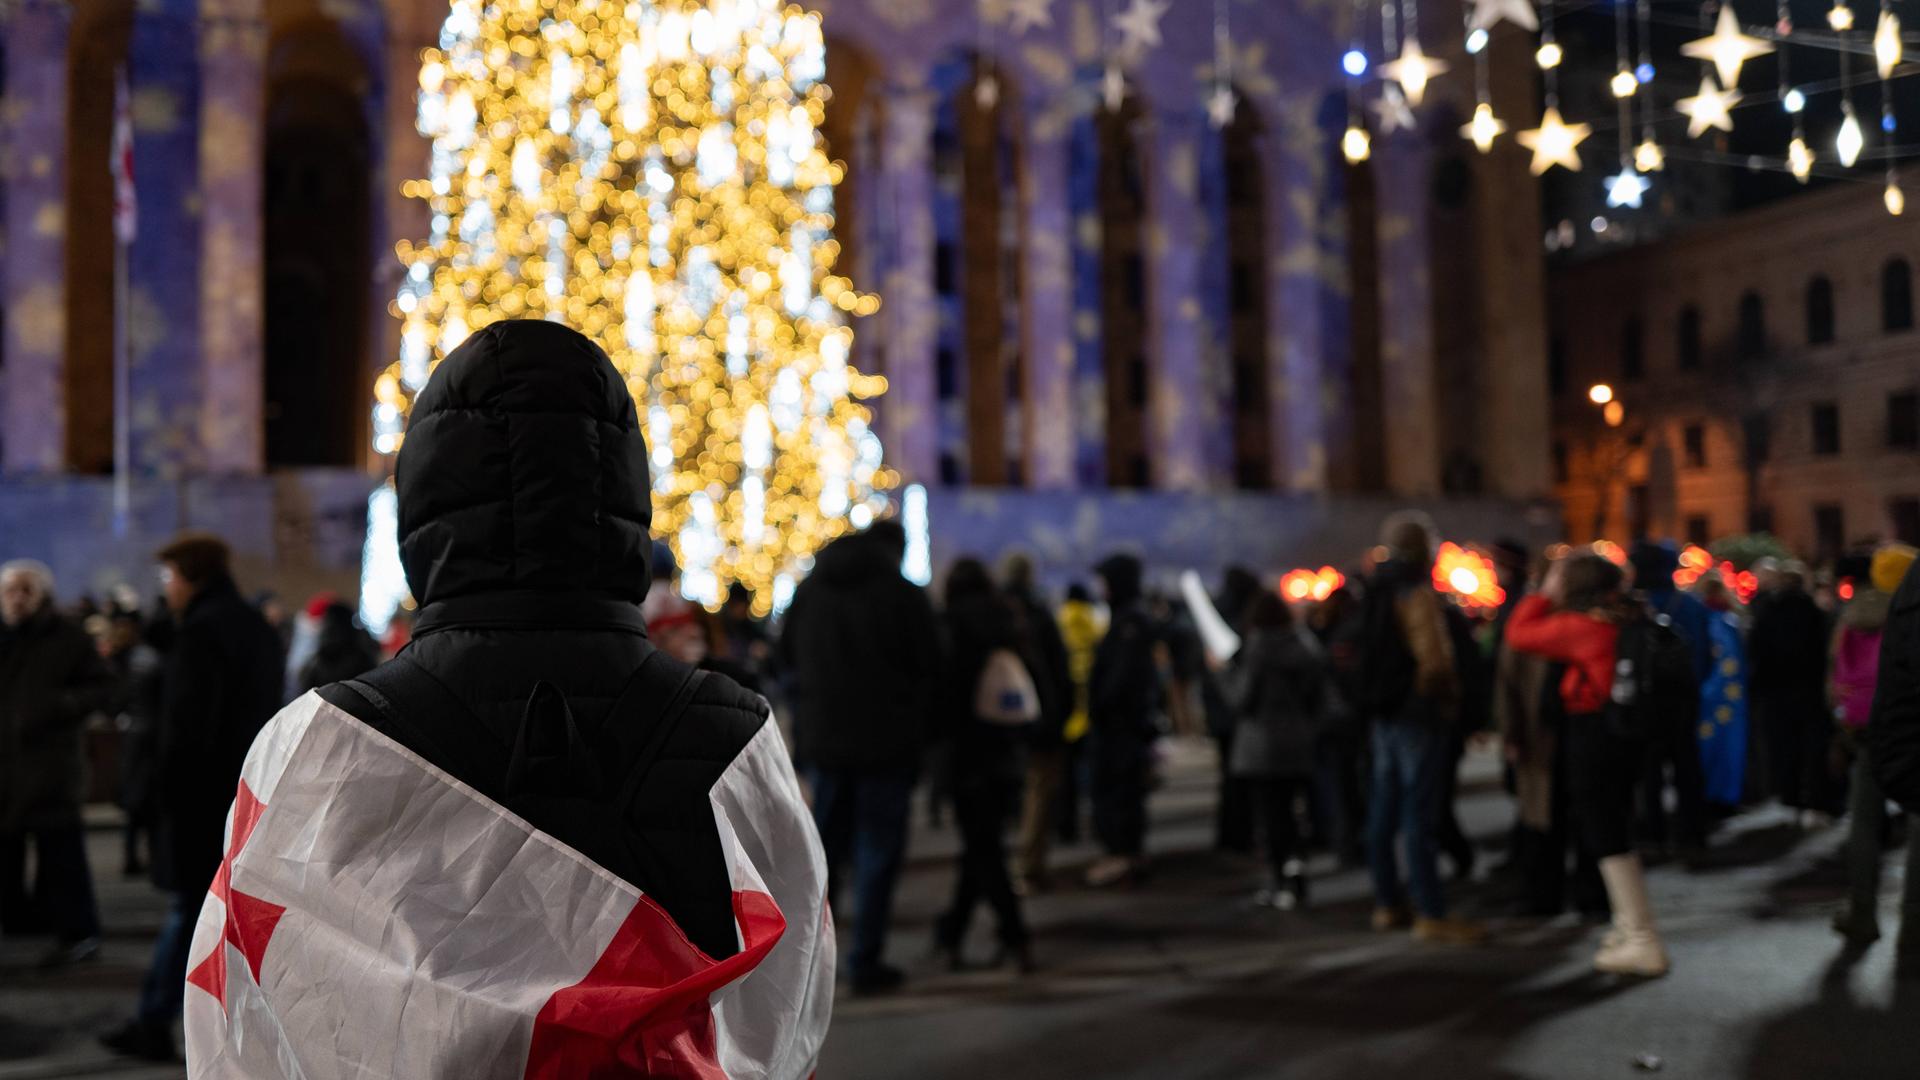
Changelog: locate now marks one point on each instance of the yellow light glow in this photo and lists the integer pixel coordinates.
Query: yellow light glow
(1625, 84)
(1548, 56)
(1895, 198)
(1886, 43)
(1600, 393)
(1840, 18)
(1615, 414)
(1648, 157)
(1484, 127)
(1413, 69)
(1356, 145)
(1851, 139)
(1468, 575)
(1555, 142)
(652, 175)
(1727, 47)
(1800, 159)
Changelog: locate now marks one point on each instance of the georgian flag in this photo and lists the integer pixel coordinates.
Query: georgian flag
(126, 217)
(376, 918)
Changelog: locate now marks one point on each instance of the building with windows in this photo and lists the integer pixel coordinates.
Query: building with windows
(1769, 373)
(1105, 319)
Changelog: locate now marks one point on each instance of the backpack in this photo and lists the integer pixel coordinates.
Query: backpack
(1005, 694)
(1653, 688)
(1387, 666)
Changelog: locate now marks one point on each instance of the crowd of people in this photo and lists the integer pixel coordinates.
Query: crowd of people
(1635, 716)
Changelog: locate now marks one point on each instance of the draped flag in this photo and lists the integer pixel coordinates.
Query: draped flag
(1723, 714)
(126, 216)
(376, 918)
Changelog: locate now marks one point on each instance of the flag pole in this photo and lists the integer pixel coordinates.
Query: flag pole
(123, 235)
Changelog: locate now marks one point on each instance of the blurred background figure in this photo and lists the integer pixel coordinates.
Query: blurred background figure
(51, 680)
(1723, 701)
(131, 648)
(1674, 749)
(1233, 815)
(1045, 739)
(341, 651)
(1082, 626)
(1788, 647)
(1124, 693)
(863, 650)
(298, 643)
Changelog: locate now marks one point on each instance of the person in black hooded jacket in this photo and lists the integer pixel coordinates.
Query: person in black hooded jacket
(863, 651)
(1123, 694)
(1893, 726)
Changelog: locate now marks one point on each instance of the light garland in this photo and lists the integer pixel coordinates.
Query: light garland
(651, 174)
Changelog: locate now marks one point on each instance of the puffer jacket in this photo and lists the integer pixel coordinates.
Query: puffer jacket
(524, 515)
(1893, 731)
(1277, 690)
(51, 679)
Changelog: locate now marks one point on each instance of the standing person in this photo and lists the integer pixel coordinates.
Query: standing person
(1277, 689)
(986, 633)
(1789, 652)
(1625, 675)
(1723, 701)
(534, 827)
(862, 649)
(1678, 745)
(1339, 794)
(1857, 655)
(220, 683)
(1122, 696)
(1046, 739)
(1081, 628)
(51, 679)
(341, 650)
(131, 655)
(1409, 690)
(1234, 812)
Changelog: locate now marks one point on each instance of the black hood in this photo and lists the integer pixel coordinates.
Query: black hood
(524, 469)
(855, 559)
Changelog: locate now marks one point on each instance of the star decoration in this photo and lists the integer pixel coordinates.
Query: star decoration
(1392, 110)
(1727, 47)
(1113, 87)
(1648, 157)
(1489, 13)
(1799, 159)
(1851, 139)
(1709, 108)
(1886, 42)
(1484, 127)
(1626, 187)
(1027, 14)
(1220, 106)
(1139, 25)
(986, 92)
(1555, 142)
(1413, 69)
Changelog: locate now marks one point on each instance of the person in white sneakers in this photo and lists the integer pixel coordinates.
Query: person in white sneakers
(1625, 672)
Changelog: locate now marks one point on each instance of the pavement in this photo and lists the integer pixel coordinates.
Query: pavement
(1182, 977)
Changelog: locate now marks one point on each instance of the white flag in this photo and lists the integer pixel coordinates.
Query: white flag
(126, 213)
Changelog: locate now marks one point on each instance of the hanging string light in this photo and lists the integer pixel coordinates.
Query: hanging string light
(1851, 139)
(1412, 68)
(1627, 187)
(1886, 51)
(1485, 127)
(1799, 154)
(1647, 157)
(1220, 101)
(1355, 144)
(1554, 142)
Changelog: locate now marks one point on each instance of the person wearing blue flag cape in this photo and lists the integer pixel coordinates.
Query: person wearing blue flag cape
(1723, 700)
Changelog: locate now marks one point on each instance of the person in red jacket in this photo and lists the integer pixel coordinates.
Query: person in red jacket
(1575, 619)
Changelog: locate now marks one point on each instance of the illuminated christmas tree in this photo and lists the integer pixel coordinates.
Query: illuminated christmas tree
(651, 174)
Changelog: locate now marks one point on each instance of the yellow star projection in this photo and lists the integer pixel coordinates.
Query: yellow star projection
(651, 173)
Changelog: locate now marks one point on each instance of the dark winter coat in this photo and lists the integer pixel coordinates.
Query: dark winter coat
(1893, 732)
(1788, 650)
(861, 645)
(524, 515)
(51, 680)
(221, 683)
(1123, 693)
(1277, 690)
(976, 627)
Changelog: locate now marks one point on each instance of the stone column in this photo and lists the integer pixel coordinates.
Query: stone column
(1046, 223)
(404, 155)
(1178, 399)
(1296, 169)
(907, 297)
(33, 419)
(233, 40)
(164, 264)
(1408, 407)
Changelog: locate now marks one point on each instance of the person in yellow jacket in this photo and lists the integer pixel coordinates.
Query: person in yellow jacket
(1053, 768)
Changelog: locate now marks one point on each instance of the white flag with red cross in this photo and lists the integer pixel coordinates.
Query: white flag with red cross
(376, 918)
(126, 210)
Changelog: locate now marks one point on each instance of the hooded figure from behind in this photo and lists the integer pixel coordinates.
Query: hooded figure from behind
(570, 850)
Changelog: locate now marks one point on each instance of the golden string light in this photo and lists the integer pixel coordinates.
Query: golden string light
(652, 174)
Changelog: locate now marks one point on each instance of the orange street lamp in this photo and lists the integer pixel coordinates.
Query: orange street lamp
(1600, 393)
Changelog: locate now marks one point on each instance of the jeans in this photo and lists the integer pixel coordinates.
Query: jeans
(1866, 832)
(166, 983)
(863, 817)
(62, 896)
(1409, 764)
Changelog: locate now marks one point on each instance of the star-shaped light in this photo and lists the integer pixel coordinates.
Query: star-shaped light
(1113, 87)
(1840, 17)
(1027, 14)
(1413, 69)
(1555, 142)
(1886, 42)
(1851, 139)
(1392, 110)
(1626, 187)
(1355, 145)
(1727, 47)
(986, 91)
(1648, 157)
(1489, 13)
(1220, 106)
(1139, 25)
(1710, 108)
(1799, 159)
(1484, 127)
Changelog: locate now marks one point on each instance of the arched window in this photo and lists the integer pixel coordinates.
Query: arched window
(1752, 338)
(1896, 296)
(1246, 259)
(1687, 346)
(317, 214)
(1820, 311)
